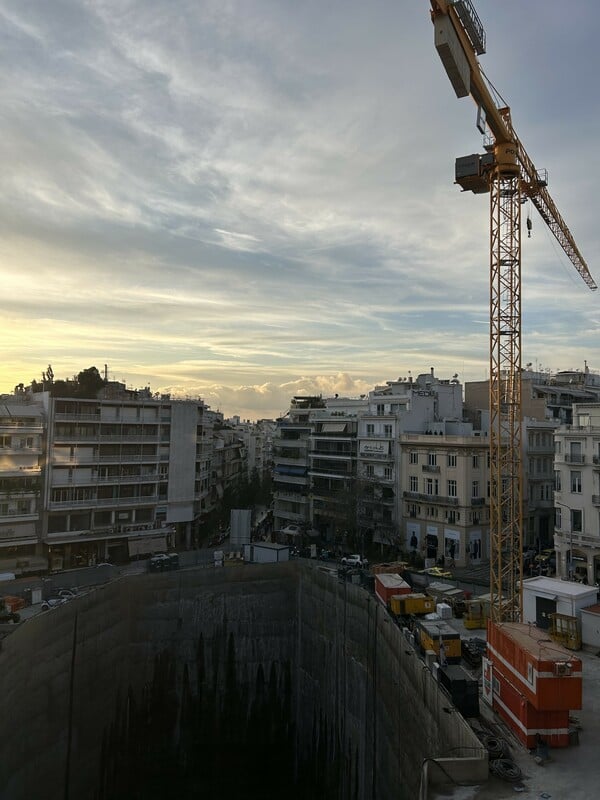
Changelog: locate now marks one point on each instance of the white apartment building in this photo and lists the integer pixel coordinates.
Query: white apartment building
(577, 495)
(21, 453)
(392, 409)
(124, 476)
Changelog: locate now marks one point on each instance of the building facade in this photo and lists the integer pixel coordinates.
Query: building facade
(21, 472)
(577, 495)
(446, 495)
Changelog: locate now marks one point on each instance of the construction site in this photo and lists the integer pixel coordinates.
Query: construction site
(291, 678)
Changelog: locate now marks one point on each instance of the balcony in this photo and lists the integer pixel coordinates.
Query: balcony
(430, 468)
(574, 458)
(431, 498)
(18, 516)
(568, 538)
(82, 417)
(56, 505)
(596, 499)
(108, 479)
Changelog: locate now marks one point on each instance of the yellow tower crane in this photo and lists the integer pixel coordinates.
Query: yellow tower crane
(509, 175)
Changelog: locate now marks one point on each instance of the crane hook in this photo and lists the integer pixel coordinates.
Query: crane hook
(529, 225)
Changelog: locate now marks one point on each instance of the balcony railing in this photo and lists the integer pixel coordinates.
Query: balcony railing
(430, 468)
(579, 539)
(431, 498)
(574, 458)
(103, 501)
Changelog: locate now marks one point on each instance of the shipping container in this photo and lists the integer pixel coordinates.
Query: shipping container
(387, 584)
(527, 723)
(462, 689)
(415, 603)
(547, 674)
(395, 567)
(432, 633)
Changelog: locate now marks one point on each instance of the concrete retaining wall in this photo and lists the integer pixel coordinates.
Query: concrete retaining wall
(69, 673)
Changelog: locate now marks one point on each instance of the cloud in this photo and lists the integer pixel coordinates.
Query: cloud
(232, 194)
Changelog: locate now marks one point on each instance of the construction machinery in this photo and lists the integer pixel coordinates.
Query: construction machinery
(507, 173)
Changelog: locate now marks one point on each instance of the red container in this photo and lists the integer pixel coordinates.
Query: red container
(547, 674)
(387, 584)
(13, 603)
(526, 722)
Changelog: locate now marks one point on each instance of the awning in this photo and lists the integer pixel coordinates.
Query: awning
(333, 427)
(146, 545)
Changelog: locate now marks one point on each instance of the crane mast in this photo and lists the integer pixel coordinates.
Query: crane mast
(508, 174)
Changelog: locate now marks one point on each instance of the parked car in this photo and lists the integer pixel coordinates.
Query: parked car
(158, 563)
(67, 594)
(291, 530)
(436, 572)
(354, 560)
(161, 562)
(53, 602)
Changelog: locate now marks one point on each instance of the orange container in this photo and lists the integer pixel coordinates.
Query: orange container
(13, 603)
(547, 674)
(526, 722)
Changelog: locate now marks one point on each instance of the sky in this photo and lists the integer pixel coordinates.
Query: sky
(243, 200)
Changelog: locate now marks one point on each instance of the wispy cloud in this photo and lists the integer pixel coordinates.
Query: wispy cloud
(244, 199)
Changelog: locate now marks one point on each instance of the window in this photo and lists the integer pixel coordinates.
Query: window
(557, 447)
(370, 429)
(429, 486)
(388, 473)
(452, 517)
(414, 457)
(414, 483)
(451, 459)
(432, 459)
(557, 518)
(452, 489)
(576, 520)
(387, 430)
(475, 462)
(476, 518)
(576, 482)
(380, 409)
(369, 470)
(475, 489)
(5, 441)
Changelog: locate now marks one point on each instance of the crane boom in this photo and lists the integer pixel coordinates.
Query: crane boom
(509, 175)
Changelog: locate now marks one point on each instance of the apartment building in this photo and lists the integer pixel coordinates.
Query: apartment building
(538, 483)
(122, 476)
(332, 470)
(258, 441)
(577, 495)
(393, 408)
(291, 482)
(446, 480)
(547, 401)
(21, 459)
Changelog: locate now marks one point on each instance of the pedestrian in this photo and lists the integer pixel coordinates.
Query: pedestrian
(451, 552)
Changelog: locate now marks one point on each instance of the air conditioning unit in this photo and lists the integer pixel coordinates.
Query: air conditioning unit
(562, 668)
